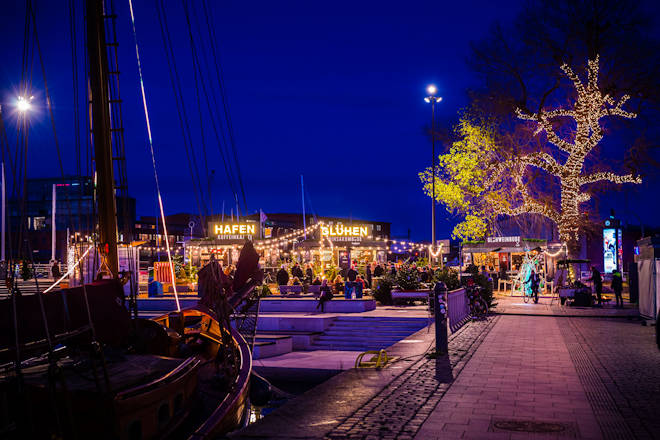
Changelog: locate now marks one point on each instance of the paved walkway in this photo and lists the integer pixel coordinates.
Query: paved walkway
(522, 372)
(547, 306)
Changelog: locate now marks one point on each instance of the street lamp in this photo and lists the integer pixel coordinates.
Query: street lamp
(432, 99)
(24, 104)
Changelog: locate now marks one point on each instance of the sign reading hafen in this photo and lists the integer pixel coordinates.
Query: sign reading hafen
(233, 231)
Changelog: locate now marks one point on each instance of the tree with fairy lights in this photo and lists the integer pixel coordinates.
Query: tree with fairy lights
(590, 107)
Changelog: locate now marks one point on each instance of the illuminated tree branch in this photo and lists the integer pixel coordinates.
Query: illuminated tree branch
(611, 177)
(591, 105)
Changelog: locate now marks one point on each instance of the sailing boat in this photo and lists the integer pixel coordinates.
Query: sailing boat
(73, 364)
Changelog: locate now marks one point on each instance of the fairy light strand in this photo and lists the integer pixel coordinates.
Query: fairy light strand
(589, 108)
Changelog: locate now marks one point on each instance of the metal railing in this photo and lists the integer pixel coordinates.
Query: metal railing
(458, 308)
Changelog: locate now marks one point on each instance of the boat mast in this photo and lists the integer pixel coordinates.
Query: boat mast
(100, 116)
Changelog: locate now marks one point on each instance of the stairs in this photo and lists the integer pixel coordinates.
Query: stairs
(366, 333)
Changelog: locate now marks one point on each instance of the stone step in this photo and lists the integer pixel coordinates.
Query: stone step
(361, 333)
(360, 348)
(271, 345)
(377, 325)
(379, 319)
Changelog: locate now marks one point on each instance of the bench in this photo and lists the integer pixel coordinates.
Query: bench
(284, 290)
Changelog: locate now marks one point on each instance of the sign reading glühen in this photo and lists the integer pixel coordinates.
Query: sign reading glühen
(344, 231)
(233, 231)
(339, 232)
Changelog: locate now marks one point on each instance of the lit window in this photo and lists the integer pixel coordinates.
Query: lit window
(39, 223)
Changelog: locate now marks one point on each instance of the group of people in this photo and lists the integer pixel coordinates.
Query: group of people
(596, 278)
(616, 285)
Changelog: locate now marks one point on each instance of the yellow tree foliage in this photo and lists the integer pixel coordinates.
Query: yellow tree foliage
(461, 177)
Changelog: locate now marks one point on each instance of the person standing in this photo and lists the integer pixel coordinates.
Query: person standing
(379, 271)
(309, 273)
(351, 276)
(598, 283)
(533, 281)
(369, 275)
(296, 271)
(617, 287)
(282, 276)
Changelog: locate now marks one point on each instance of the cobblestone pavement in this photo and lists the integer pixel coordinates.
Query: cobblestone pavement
(400, 409)
(627, 361)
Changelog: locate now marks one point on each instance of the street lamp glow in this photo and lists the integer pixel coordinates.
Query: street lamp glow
(23, 104)
(432, 90)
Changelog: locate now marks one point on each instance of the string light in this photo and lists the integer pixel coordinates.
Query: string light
(591, 105)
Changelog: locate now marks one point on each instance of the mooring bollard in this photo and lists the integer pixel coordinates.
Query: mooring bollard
(440, 306)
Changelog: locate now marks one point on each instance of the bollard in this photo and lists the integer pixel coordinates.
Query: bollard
(440, 306)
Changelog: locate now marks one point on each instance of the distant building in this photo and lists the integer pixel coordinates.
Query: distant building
(74, 211)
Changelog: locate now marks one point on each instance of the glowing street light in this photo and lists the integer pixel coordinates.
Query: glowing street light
(24, 104)
(432, 99)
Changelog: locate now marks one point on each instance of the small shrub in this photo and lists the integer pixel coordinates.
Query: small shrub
(383, 293)
(448, 276)
(407, 277)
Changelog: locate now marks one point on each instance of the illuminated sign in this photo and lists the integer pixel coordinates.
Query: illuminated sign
(344, 231)
(233, 231)
(514, 239)
(609, 250)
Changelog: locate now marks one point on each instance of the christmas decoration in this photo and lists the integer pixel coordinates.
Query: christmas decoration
(589, 108)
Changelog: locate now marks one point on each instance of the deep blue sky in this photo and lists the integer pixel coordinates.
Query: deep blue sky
(331, 90)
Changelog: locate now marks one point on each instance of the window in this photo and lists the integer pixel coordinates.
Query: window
(378, 228)
(39, 223)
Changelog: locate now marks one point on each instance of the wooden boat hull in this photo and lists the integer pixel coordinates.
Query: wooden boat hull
(227, 416)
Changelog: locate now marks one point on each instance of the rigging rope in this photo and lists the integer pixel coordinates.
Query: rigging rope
(180, 105)
(153, 157)
(225, 105)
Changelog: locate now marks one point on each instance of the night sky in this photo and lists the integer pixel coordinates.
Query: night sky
(330, 90)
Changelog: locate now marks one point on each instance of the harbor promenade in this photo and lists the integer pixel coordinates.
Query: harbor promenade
(580, 373)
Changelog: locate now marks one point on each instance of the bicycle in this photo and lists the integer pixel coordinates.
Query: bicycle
(478, 305)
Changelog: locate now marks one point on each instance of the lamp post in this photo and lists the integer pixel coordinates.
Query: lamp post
(432, 99)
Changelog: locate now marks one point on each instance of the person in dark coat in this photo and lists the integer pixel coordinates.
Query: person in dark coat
(617, 287)
(379, 271)
(369, 275)
(309, 273)
(325, 295)
(351, 276)
(339, 285)
(424, 276)
(296, 271)
(282, 277)
(598, 283)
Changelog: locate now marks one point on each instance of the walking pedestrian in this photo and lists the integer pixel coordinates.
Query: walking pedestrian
(325, 295)
(617, 287)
